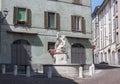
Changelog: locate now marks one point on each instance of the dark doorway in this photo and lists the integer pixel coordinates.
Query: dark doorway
(21, 52)
(77, 54)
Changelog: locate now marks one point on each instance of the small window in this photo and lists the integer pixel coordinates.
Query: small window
(22, 16)
(52, 20)
(78, 23)
(77, 1)
(51, 45)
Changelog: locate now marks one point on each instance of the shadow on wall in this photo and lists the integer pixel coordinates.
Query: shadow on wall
(19, 30)
(21, 56)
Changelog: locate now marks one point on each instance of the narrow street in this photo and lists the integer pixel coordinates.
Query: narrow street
(107, 76)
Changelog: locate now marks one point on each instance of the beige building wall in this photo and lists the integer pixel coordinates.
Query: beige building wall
(108, 26)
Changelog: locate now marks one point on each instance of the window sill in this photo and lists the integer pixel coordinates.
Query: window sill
(77, 31)
(76, 3)
(22, 32)
(21, 22)
(52, 28)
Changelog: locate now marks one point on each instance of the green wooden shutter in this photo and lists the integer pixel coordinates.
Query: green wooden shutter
(46, 19)
(29, 17)
(83, 24)
(57, 21)
(73, 26)
(15, 15)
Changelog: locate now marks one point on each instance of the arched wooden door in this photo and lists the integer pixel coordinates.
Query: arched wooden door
(78, 54)
(21, 52)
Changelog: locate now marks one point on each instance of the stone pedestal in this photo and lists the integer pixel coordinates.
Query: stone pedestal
(63, 70)
(60, 58)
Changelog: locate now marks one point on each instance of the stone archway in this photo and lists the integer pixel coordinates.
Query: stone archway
(77, 54)
(21, 52)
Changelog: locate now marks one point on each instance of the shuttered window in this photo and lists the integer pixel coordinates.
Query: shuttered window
(22, 16)
(78, 23)
(52, 20)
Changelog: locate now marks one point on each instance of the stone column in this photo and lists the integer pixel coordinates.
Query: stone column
(3, 69)
(15, 70)
(28, 71)
(49, 72)
(80, 72)
(91, 70)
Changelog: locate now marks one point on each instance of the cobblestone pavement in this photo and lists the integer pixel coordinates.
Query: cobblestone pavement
(107, 76)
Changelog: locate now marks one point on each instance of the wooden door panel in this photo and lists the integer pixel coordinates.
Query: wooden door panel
(77, 54)
(21, 53)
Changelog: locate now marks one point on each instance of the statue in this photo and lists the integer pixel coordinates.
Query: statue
(60, 43)
(60, 52)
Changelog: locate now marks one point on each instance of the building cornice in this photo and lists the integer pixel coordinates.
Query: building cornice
(103, 5)
(98, 9)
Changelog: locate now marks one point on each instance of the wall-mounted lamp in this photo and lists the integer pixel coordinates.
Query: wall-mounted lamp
(5, 13)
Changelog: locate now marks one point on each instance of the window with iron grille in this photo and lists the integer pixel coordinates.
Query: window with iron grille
(22, 16)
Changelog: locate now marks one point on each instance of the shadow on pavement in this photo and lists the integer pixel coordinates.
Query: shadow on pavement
(10, 79)
(105, 66)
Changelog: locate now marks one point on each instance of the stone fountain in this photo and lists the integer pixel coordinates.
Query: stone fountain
(61, 66)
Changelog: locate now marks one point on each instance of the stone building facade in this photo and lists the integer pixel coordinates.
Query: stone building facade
(106, 32)
(30, 29)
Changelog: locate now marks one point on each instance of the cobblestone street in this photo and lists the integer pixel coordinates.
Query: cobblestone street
(107, 76)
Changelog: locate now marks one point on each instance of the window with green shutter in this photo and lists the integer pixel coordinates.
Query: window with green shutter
(22, 16)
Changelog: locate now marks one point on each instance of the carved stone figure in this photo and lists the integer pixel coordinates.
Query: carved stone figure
(60, 52)
(60, 43)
